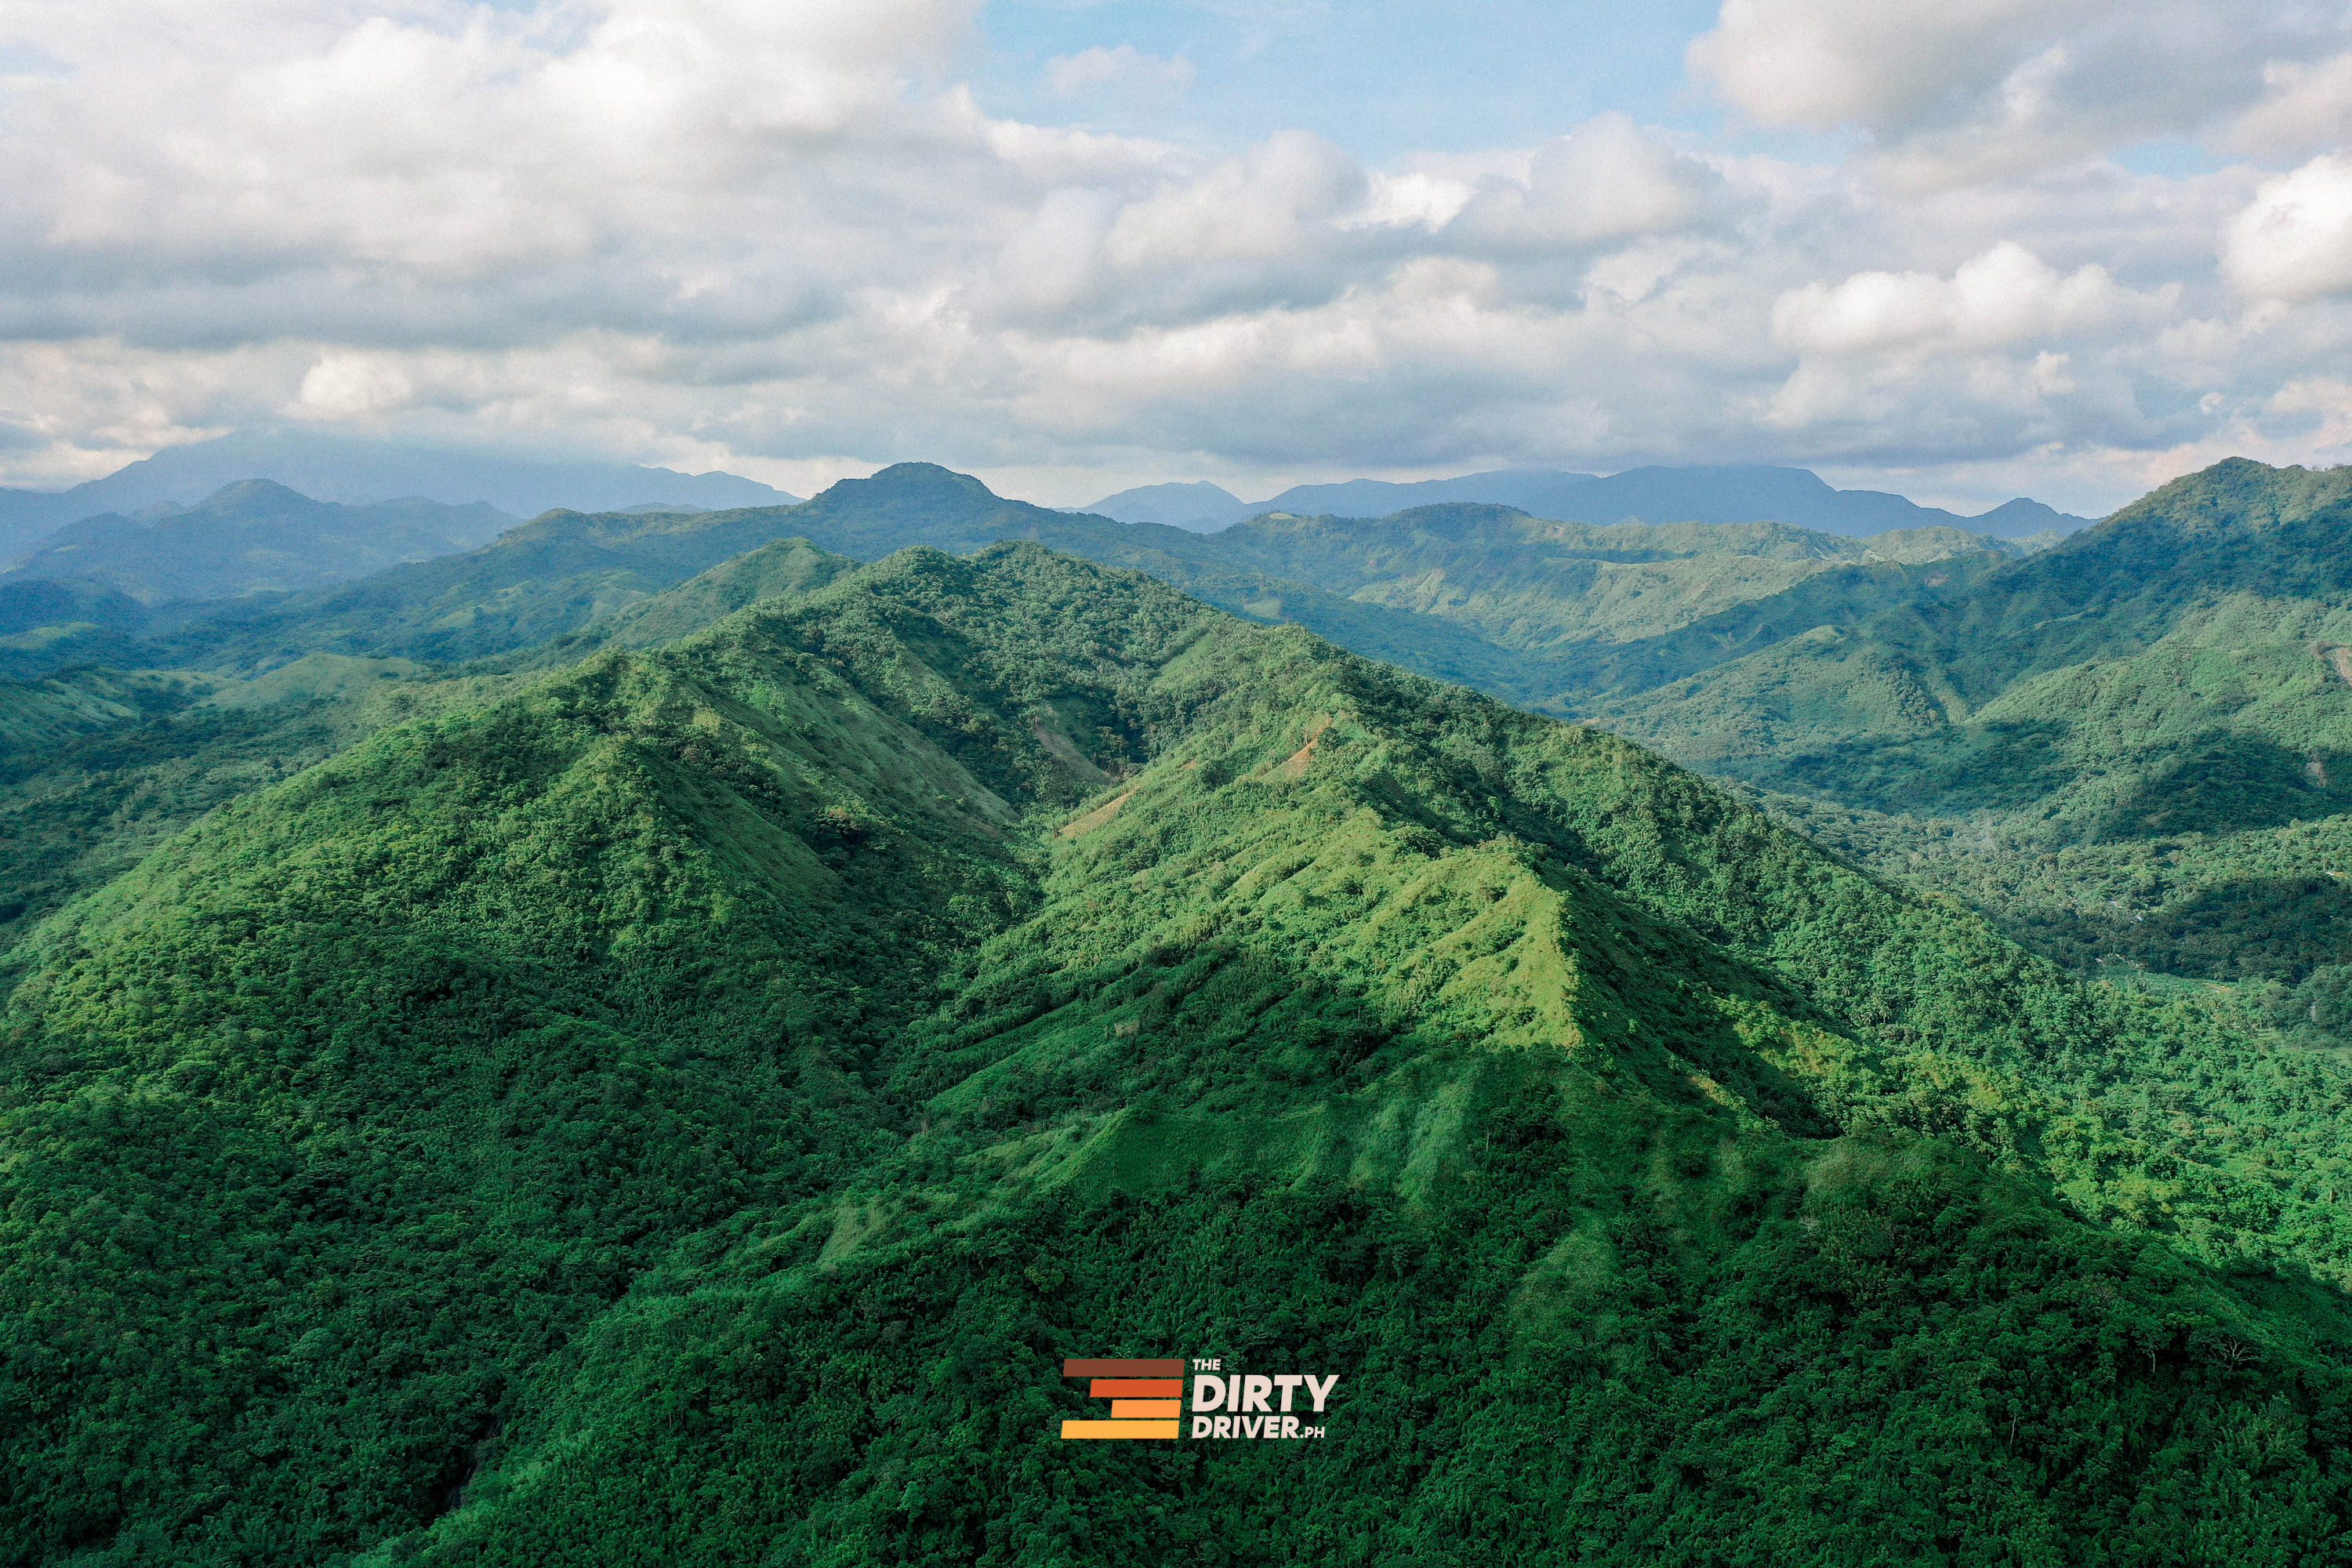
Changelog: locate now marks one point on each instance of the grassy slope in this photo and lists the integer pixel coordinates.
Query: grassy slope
(1391, 1053)
(483, 1098)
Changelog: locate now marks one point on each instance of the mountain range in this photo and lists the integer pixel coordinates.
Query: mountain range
(655, 1039)
(1720, 493)
(355, 470)
(2135, 745)
(252, 536)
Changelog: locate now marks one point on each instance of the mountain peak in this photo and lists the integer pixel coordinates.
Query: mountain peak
(917, 479)
(2239, 494)
(1197, 504)
(252, 495)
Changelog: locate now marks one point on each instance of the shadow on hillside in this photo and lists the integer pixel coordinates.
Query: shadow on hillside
(1984, 767)
(2255, 927)
(2229, 784)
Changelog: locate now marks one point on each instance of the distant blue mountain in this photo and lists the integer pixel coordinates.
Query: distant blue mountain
(252, 535)
(354, 469)
(1202, 507)
(1380, 498)
(1205, 508)
(1726, 493)
(1753, 492)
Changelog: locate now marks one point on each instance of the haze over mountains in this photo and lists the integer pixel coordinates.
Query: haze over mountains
(252, 535)
(115, 522)
(345, 469)
(1726, 493)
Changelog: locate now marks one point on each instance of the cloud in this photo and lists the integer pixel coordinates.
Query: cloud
(1973, 89)
(1266, 204)
(730, 233)
(1603, 180)
(2005, 296)
(352, 386)
(1826, 63)
(2307, 104)
(2293, 241)
(1094, 69)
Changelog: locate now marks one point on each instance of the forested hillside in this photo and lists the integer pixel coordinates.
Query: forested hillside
(2133, 748)
(681, 1106)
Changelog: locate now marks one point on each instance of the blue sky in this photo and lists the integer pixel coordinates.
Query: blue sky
(2067, 248)
(1383, 78)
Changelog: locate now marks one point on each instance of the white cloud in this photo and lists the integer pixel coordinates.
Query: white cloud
(2308, 104)
(734, 234)
(1263, 205)
(352, 386)
(1092, 70)
(2293, 241)
(1966, 90)
(1603, 180)
(1826, 63)
(2005, 296)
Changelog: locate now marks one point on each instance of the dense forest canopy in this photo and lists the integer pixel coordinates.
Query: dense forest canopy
(651, 1040)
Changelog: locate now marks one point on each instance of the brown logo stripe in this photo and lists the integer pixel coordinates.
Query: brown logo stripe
(1173, 1367)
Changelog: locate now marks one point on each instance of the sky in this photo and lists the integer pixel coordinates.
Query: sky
(1966, 250)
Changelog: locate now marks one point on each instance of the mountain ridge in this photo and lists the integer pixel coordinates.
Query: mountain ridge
(356, 470)
(685, 1108)
(2150, 708)
(254, 535)
(1730, 493)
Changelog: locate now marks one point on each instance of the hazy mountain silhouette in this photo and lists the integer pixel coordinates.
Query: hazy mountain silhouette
(255, 535)
(352, 469)
(1726, 493)
(1200, 506)
(1755, 492)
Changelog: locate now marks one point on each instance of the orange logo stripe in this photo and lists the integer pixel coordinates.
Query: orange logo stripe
(1073, 1429)
(1145, 1409)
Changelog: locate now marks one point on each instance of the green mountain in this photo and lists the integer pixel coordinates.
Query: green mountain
(921, 504)
(1547, 615)
(252, 536)
(47, 625)
(1600, 609)
(551, 575)
(683, 1107)
(784, 569)
(99, 766)
(1552, 615)
(2134, 747)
